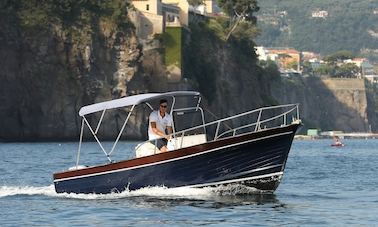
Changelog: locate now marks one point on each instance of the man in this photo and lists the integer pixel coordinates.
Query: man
(160, 122)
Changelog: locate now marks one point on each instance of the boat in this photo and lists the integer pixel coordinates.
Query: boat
(249, 148)
(337, 142)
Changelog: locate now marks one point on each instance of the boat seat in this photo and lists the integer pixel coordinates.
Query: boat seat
(145, 149)
(189, 140)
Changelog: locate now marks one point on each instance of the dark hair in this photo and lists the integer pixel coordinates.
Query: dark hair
(163, 101)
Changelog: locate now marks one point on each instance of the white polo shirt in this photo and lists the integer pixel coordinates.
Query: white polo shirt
(161, 123)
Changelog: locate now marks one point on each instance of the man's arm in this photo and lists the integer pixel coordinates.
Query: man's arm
(157, 131)
(170, 130)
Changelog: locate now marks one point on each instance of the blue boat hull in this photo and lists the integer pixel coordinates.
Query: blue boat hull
(256, 160)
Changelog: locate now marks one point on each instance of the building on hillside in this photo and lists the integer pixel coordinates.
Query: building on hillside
(314, 133)
(356, 61)
(319, 14)
(212, 7)
(153, 16)
(366, 68)
(148, 18)
(372, 78)
(316, 63)
(310, 56)
(262, 53)
(183, 7)
(285, 58)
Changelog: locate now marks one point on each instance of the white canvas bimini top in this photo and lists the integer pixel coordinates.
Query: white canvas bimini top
(131, 100)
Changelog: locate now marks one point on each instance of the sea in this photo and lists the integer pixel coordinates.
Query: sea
(322, 186)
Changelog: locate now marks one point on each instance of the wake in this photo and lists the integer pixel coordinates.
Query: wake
(160, 192)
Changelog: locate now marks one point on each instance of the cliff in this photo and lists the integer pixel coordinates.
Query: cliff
(233, 82)
(53, 62)
(330, 104)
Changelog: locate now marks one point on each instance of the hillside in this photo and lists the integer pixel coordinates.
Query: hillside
(343, 25)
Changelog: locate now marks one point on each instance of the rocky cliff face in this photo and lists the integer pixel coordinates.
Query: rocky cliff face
(226, 73)
(329, 104)
(48, 72)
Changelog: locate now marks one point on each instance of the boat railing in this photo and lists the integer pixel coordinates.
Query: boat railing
(255, 121)
(260, 122)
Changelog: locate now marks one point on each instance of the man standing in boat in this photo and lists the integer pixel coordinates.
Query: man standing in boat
(160, 123)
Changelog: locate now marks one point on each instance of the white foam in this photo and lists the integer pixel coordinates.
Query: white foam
(26, 190)
(162, 192)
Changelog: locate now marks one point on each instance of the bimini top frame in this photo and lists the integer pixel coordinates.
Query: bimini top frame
(130, 101)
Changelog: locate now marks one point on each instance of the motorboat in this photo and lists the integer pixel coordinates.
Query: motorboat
(337, 142)
(249, 148)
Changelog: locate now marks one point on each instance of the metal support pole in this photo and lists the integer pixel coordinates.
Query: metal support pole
(123, 127)
(99, 122)
(171, 113)
(81, 140)
(98, 141)
(297, 111)
(217, 130)
(258, 121)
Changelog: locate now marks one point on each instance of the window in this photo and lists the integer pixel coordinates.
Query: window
(147, 7)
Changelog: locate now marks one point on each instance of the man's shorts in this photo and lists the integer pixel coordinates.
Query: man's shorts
(161, 143)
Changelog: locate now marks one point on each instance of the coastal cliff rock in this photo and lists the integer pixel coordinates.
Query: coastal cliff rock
(329, 104)
(226, 73)
(50, 70)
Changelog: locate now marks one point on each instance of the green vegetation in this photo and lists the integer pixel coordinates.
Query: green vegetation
(211, 60)
(348, 70)
(242, 21)
(239, 8)
(339, 56)
(350, 25)
(41, 13)
(172, 39)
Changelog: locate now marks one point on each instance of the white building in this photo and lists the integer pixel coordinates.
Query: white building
(319, 14)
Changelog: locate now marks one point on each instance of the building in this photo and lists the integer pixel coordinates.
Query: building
(319, 14)
(372, 78)
(313, 132)
(310, 56)
(285, 58)
(262, 53)
(357, 61)
(153, 16)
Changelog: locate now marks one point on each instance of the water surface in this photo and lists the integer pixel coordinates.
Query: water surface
(322, 186)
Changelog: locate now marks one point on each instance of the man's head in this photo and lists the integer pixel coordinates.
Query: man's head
(163, 105)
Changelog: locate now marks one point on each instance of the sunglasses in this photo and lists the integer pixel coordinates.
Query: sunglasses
(164, 106)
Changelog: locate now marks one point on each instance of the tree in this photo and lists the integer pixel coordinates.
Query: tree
(195, 2)
(239, 11)
(339, 56)
(325, 69)
(307, 67)
(292, 65)
(348, 70)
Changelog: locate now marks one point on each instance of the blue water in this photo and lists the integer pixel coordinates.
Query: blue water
(322, 186)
